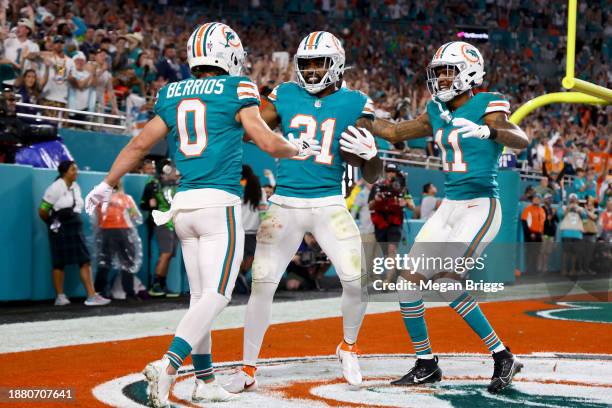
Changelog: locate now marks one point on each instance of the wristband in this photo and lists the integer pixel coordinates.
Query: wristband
(492, 133)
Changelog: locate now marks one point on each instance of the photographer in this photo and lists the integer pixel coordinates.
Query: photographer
(158, 194)
(308, 266)
(387, 201)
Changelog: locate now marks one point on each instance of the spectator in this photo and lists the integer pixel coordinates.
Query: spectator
(20, 50)
(605, 222)
(104, 84)
(571, 228)
(543, 188)
(589, 236)
(61, 209)
(118, 242)
(148, 167)
(550, 231)
(88, 46)
(81, 88)
(429, 202)
(29, 91)
(533, 219)
(168, 67)
(55, 79)
(254, 203)
(528, 194)
(580, 184)
(145, 72)
(591, 185)
(158, 194)
(184, 71)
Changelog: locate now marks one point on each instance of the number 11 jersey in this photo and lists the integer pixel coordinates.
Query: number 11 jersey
(204, 137)
(470, 164)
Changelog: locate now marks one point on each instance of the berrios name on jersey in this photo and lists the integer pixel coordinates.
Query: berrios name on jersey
(470, 164)
(204, 137)
(305, 115)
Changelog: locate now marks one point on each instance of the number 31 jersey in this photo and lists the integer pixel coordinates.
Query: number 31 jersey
(470, 164)
(305, 115)
(204, 138)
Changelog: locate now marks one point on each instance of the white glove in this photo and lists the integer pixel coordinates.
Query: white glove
(305, 147)
(100, 194)
(359, 142)
(467, 128)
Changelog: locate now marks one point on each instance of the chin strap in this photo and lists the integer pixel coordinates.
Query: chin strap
(444, 112)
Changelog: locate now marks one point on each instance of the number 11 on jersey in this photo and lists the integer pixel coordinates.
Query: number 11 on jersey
(457, 165)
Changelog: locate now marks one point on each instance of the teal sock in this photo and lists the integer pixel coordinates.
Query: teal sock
(178, 351)
(202, 365)
(413, 314)
(467, 308)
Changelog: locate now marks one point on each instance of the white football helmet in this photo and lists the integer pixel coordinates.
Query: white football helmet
(217, 45)
(463, 63)
(319, 44)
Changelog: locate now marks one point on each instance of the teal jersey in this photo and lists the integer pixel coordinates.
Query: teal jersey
(205, 139)
(470, 164)
(305, 115)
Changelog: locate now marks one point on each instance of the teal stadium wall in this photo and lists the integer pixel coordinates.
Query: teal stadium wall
(25, 259)
(25, 262)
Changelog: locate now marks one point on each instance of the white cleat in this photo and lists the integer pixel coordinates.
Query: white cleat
(240, 381)
(347, 354)
(159, 382)
(211, 392)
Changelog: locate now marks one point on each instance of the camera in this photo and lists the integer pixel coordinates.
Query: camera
(394, 187)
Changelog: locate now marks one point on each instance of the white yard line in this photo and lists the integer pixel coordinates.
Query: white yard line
(86, 330)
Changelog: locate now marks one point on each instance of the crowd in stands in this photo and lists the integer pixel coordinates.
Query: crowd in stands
(114, 56)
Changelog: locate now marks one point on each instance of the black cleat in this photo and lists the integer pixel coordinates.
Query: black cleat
(506, 367)
(424, 371)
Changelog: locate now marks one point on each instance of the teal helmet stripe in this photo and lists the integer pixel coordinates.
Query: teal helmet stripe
(193, 44)
(318, 39)
(208, 31)
(444, 49)
(306, 41)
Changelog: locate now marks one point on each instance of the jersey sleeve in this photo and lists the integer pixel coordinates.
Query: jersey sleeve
(497, 102)
(247, 93)
(368, 109)
(158, 109)
(274, 94)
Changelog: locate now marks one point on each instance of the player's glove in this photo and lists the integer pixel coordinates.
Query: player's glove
(100, 194)
(467, 128)
(305, 147)
(359, 142)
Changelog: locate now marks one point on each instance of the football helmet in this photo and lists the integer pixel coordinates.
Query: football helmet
(319, 44)
(461, 63)
(217, 45)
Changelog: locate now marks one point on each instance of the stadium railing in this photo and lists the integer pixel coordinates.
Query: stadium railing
(62, 118)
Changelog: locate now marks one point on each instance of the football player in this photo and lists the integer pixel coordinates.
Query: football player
(471, 131)
(205, 119)
(308, 195)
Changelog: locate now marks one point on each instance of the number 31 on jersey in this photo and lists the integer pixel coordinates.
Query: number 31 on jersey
(327, 130)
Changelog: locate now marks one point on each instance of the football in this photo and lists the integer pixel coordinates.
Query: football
(351, 159)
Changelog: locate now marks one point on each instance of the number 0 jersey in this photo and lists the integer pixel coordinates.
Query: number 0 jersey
(470, 164)
(305, 115)
(204, 138)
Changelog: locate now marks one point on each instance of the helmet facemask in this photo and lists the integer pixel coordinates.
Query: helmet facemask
(444, 81)
(317, 72)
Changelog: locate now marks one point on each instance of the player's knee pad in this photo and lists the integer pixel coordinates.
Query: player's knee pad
(343, 225)
(262, 269)
(350, 268)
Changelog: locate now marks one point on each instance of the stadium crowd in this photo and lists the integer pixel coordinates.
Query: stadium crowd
(114, 56)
